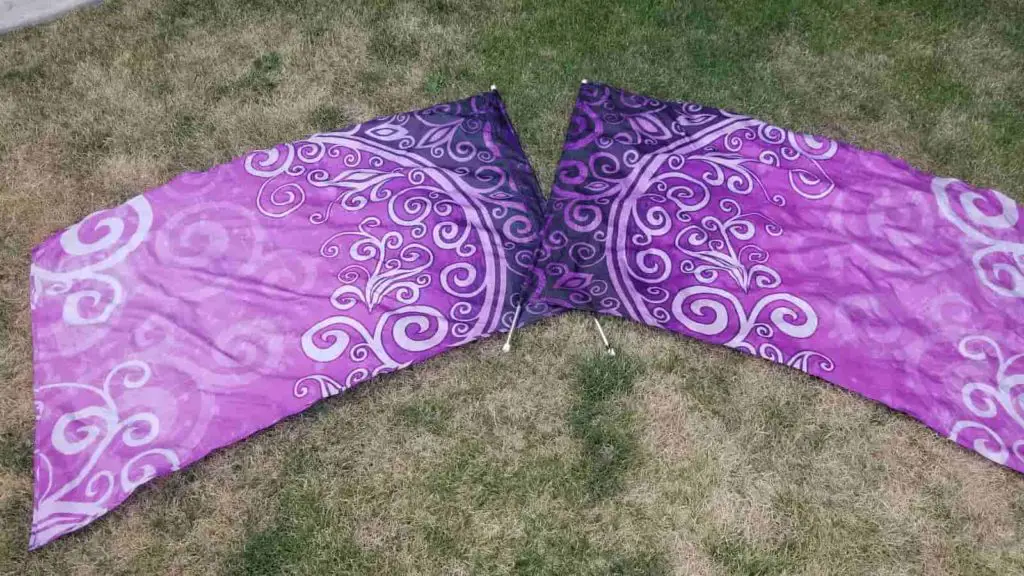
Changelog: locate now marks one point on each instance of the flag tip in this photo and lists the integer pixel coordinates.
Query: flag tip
(515, 320)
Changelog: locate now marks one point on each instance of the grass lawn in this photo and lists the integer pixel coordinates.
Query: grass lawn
(674, 457)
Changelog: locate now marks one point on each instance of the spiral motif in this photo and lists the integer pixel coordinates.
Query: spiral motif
(987, 220)
(95, 431)
(84, 259)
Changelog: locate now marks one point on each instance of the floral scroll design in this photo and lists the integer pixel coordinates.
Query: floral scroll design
(324, 384)
(647, 191)
(1001, 400)
(96, 431)
(450, 139)
(81, 287)
(685, 157)
(998, 262)
(742, 148)
(397, 269)
(726, 244)
(389, 263)
(356, 185)
(799, 155)
(712, 247)
(711, 311)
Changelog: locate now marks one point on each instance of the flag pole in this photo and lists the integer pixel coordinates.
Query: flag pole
(515, 320)
(607, 346)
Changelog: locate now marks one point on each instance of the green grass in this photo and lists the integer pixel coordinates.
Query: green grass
(326, 118)
(674, 457)
(304, 534)
(257, 83)
(603, 426)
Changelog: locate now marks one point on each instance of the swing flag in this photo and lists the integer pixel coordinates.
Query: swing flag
(853, 266)
(211, 307)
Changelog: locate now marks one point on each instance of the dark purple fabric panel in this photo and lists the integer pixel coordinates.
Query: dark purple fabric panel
(847, 264)
(213, 306)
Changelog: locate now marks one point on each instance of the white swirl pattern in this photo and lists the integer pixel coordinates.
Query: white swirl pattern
(383, 266)
(84, 302)
(93, 430)
(727, 244)
(429, 212)
(711, 311)
(993, 402)
(745, 264)
(999, 263)
(663, 212)
(402, 275)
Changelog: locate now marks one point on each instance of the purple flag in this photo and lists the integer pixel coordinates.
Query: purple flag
(850, 265)
(211, 307)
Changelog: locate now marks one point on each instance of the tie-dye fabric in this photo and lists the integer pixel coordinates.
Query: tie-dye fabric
(211, 307)
(850, 265)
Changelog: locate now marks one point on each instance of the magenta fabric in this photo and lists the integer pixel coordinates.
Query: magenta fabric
(209, 308)
(850, 265)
